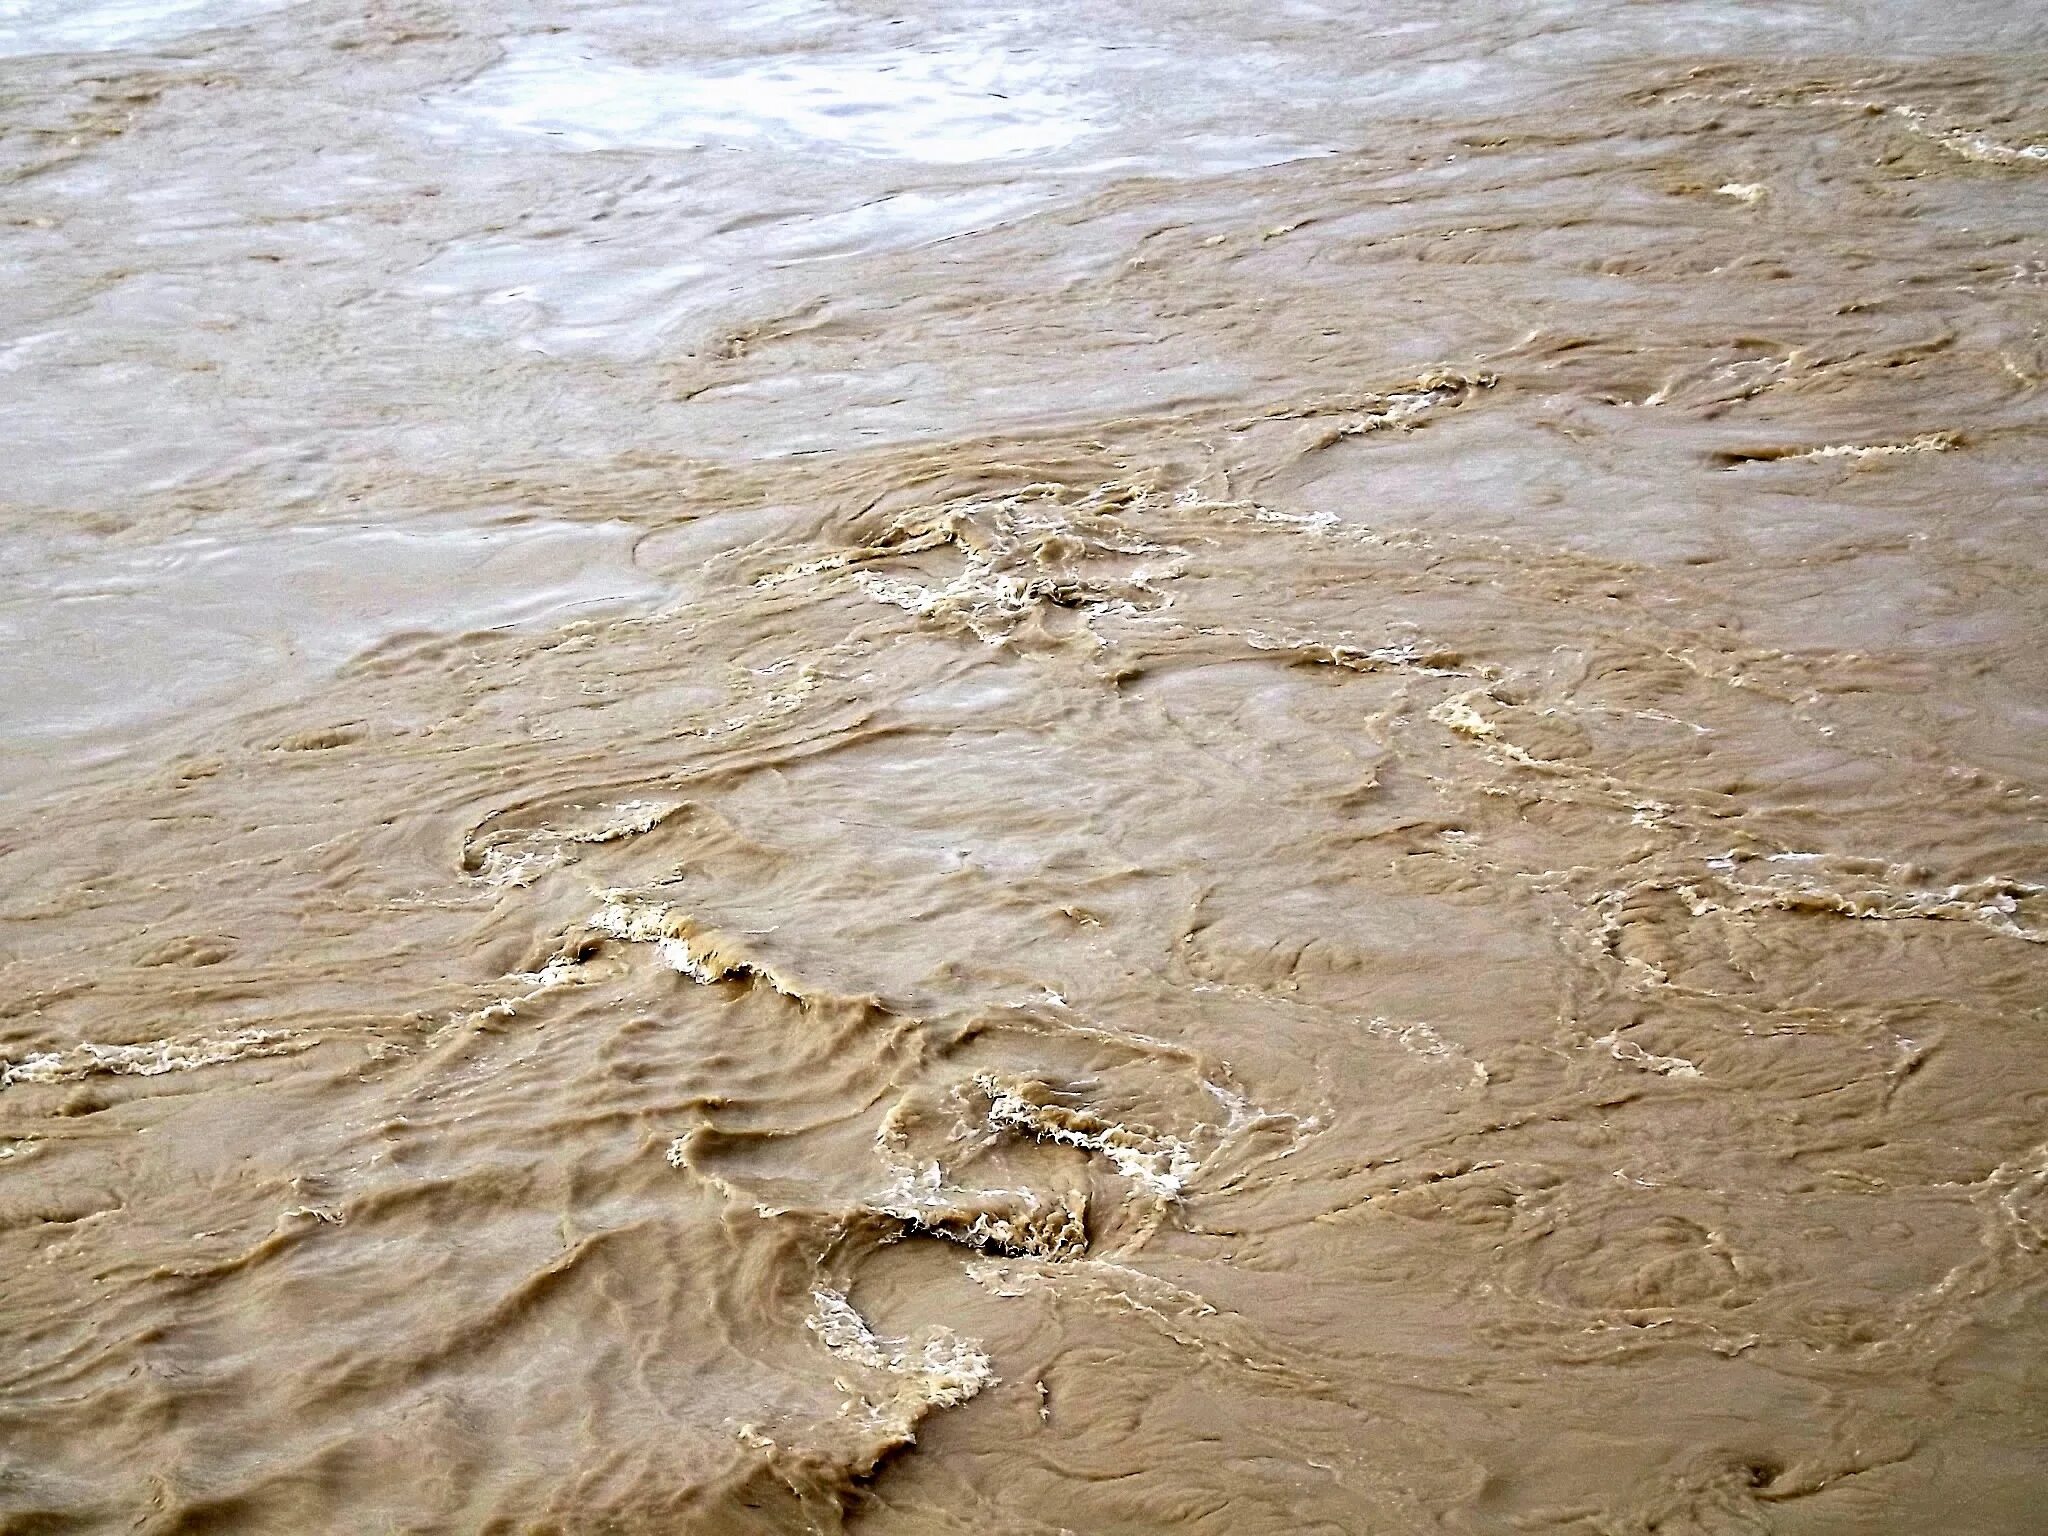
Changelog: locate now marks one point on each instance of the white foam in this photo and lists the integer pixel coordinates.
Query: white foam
(1421, 1039)
(1405, 656)
(1626, 1050)
(1456, 713)
(635, 921)
(523, 856)
(1968, 142)
(1162, 1165)
(149, 1058)
(561, 971)
(941, 1369)
(1926, 442)
(999, 1220)
(1807, 881)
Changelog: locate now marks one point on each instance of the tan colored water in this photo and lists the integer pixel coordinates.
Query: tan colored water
(1135, 768)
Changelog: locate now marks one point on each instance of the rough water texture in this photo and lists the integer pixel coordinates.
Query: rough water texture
(1136, 768)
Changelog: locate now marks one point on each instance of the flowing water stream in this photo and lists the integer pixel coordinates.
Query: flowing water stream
(1087, 769)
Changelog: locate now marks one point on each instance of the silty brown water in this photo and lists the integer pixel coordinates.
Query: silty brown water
(1118, 769)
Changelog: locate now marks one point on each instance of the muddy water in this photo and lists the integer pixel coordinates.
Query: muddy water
(1129, 768)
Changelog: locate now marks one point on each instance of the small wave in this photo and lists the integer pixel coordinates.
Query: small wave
(1162, 1165)
(560, 971)
(705, 957)
(1968, 143)
(518, 856)
(1849, 888)
(1926, 442)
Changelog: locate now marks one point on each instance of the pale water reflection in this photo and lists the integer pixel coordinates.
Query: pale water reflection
(105, 640)
(86, 26)
(946, 103)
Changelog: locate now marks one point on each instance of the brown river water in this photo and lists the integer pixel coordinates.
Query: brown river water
(1119, 767)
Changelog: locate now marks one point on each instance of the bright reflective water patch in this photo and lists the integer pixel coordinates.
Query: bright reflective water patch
(949, 104)
(109, 641)
(623, 291)
(91, 26)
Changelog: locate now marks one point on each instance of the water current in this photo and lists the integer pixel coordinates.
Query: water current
(1094, 768)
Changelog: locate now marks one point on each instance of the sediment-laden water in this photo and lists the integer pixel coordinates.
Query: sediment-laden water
(1119, 768)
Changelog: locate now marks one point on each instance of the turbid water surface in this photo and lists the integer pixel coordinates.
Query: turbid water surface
(1112, 768)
